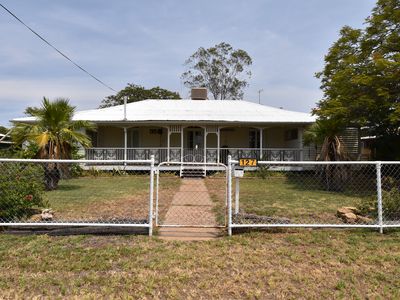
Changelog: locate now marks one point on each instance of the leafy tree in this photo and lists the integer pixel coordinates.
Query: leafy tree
(221, 69)
(137, 93)
(54, 133)
(361, 77)
(3, 130)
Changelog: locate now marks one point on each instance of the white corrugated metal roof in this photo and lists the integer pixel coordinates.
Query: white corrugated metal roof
(192, 110)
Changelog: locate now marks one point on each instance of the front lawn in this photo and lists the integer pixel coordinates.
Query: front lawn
(101, 198)
(305, 264)
(298, 198)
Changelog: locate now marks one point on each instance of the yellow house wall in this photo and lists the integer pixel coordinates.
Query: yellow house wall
(146, 139)
(110, 137)
(234, 138)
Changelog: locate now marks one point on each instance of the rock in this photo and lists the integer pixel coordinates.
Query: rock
(352, 209)
(47, 215)
(342, 211)
(349, 217)
(347, 209)
(351, 214)
(364, 220)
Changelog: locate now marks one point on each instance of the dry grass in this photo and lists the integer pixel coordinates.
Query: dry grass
(101, 198)
(168, 185)
(298, 199)
(312, 264)
(216, 186)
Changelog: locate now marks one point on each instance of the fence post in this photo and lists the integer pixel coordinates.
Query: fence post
(379, 194)
(157, 188)
(151, 195)
(229, 194)
(237, 195)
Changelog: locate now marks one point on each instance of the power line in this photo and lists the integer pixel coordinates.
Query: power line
(59, 52)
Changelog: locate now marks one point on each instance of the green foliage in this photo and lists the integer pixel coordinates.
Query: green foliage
(390, 200)
(220, 70)
(53, 135)
(21, 190)
(53, 132)
(7, 153)
(361, 78)
(3, 130)
(263, 172)
(136, 93)
(326, 133)
(391, 204)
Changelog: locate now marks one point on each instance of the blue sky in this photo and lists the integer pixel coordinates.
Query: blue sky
(147, 42)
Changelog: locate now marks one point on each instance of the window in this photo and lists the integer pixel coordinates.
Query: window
(195, 138)
(93, 137)
(133, 138)
(254, 140)
(291, 134)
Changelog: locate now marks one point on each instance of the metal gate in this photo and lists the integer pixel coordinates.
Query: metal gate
(76, 193)
(191, 194)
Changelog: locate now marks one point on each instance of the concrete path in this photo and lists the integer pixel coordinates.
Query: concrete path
(191, 205)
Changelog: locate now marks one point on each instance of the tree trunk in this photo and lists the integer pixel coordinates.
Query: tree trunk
(51, 176)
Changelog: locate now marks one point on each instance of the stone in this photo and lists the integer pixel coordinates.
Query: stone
(47, 215)
(347, 209)
(352, 209)
(342, 211)
(349, 217)
(351, 214)
(364, 220)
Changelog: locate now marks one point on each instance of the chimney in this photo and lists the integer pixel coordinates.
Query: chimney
(199, 94)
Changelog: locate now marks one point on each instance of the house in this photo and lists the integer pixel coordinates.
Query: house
(5, 141)
(196, 130)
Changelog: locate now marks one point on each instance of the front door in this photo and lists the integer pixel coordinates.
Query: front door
(194, 151)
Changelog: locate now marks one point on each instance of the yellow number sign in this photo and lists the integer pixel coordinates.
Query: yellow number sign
(248, 162)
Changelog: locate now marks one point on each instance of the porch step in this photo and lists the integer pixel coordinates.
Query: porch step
(193, 172)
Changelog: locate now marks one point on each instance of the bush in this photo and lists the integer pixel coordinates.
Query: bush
(21, 190)
(263, 172)
(390, 205)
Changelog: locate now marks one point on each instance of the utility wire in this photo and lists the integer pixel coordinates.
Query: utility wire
(59, 52)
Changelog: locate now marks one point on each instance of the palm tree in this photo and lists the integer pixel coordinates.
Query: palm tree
(326, 134)
(54, 132)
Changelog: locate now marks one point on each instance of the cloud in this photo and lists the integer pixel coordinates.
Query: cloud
(17, 94)
(146, 42)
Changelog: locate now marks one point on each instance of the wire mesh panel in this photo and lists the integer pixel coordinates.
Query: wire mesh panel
(190, 194)
(390, 183)
(286, 194)
(75, 192)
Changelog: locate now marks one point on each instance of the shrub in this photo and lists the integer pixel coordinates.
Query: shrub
(263, 172)
(390, 205)
(21, 190)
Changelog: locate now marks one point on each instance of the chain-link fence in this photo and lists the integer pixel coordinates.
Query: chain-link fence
(316, 194)
(276, 194)
(191, 195)
(76, 192)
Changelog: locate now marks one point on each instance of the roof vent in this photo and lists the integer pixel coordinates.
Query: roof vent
(199, 94)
